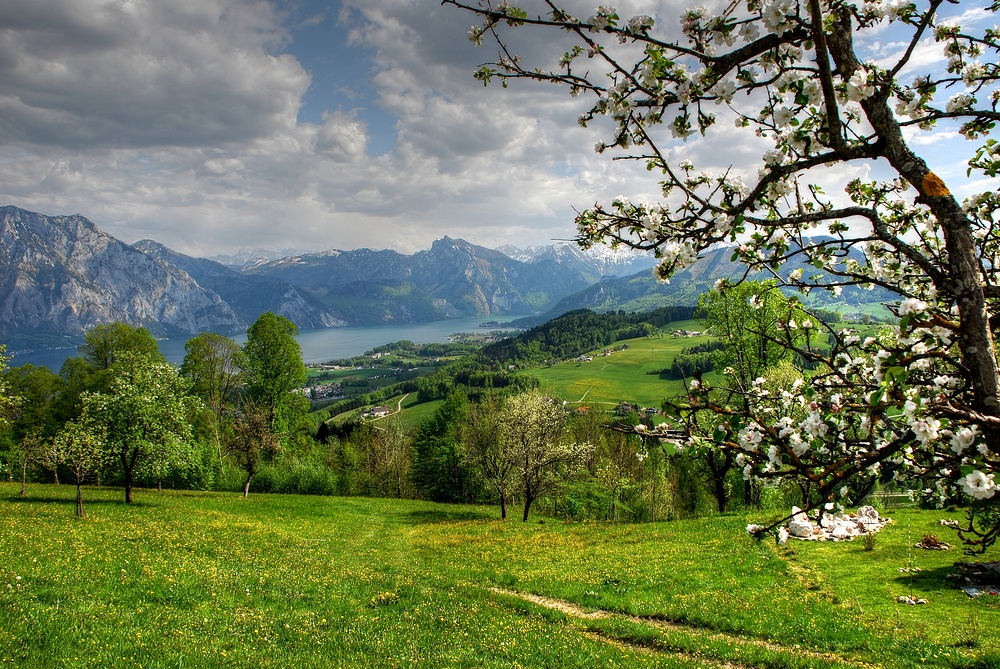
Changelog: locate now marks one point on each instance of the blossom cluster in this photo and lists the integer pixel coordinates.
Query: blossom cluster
(902, 403)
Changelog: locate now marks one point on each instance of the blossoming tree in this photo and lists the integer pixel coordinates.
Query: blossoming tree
(925, 397)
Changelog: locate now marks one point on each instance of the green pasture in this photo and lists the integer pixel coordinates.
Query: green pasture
(630, 375)
(412, 411)
(187, 579)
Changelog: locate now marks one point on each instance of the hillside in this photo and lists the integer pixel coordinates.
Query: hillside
(576, 332)
(644, 292)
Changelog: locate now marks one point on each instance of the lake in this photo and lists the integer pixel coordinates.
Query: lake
(317, 345)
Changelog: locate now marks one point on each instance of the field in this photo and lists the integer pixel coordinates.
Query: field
(184, 579)
(630, 375)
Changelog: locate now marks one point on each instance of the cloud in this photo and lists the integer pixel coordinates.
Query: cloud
(88, 74)
(181, 121)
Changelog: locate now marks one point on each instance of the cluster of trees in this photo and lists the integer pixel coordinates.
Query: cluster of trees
(121, 413)
(921, 401)
(690, 360)
(520, 447)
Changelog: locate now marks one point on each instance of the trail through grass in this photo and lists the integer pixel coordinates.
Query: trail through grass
(210, 580)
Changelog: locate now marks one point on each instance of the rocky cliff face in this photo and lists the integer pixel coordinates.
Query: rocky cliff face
(61, 275)
(457, 278)
(248, 295)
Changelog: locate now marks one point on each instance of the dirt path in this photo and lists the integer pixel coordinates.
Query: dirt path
(399, 407)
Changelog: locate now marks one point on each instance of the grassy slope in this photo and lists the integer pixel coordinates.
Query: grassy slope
(198, 579)
(624, 374)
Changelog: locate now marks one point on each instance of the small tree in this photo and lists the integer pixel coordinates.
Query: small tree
(534, 429)
(925, 399)
(274, 368)
(104, 345)
(438, 471)
(9, 401)
(484, 448)
(254, 441)
(142, 414)
(214, 364)
(31, 448)
(81, 450)
(37, 421)
(759, 328)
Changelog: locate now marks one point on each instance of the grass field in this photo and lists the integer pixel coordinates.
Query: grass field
(184, 579)
(630, 375)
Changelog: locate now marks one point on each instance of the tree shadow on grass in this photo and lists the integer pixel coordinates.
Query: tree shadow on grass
(926, 580)
(427, 516)
(71, 501)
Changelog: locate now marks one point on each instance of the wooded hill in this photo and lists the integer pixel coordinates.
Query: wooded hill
(577, 332)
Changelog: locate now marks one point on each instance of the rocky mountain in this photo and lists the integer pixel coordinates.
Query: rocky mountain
(621, 261)
(248, 295)
(452, 279)
(244, 256)
(60, 276)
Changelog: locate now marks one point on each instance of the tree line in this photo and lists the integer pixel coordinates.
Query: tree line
(121, 414)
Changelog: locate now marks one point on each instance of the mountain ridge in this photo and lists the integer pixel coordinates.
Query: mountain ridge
(61, 275)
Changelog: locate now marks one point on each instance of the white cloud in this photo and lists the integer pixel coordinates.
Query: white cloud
(178, 121)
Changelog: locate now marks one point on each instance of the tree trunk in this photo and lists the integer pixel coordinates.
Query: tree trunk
(720, 493)
(128, 486)
(503, 506)
(24, 474)
(246, 486)
(79, 501)
(962, 279)
(527, 506)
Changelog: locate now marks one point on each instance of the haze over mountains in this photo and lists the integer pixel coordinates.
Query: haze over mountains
(61, 275)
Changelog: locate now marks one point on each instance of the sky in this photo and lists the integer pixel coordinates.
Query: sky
(216, 125)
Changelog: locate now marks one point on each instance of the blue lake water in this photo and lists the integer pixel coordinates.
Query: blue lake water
(317, 345)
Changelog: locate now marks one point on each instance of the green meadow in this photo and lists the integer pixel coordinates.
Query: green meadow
(187, 579)
(630, 375)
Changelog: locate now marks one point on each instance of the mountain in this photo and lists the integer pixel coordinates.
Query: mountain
(61, 275)
(248, 295)
(643, 292)
(452, 279)
(244, 256)
(621, 261)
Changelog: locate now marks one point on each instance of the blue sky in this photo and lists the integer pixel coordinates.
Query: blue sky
(215, 125)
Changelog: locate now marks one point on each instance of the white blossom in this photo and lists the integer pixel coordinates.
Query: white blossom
(978, 485)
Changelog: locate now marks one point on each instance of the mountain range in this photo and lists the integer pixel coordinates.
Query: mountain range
(61, 275)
